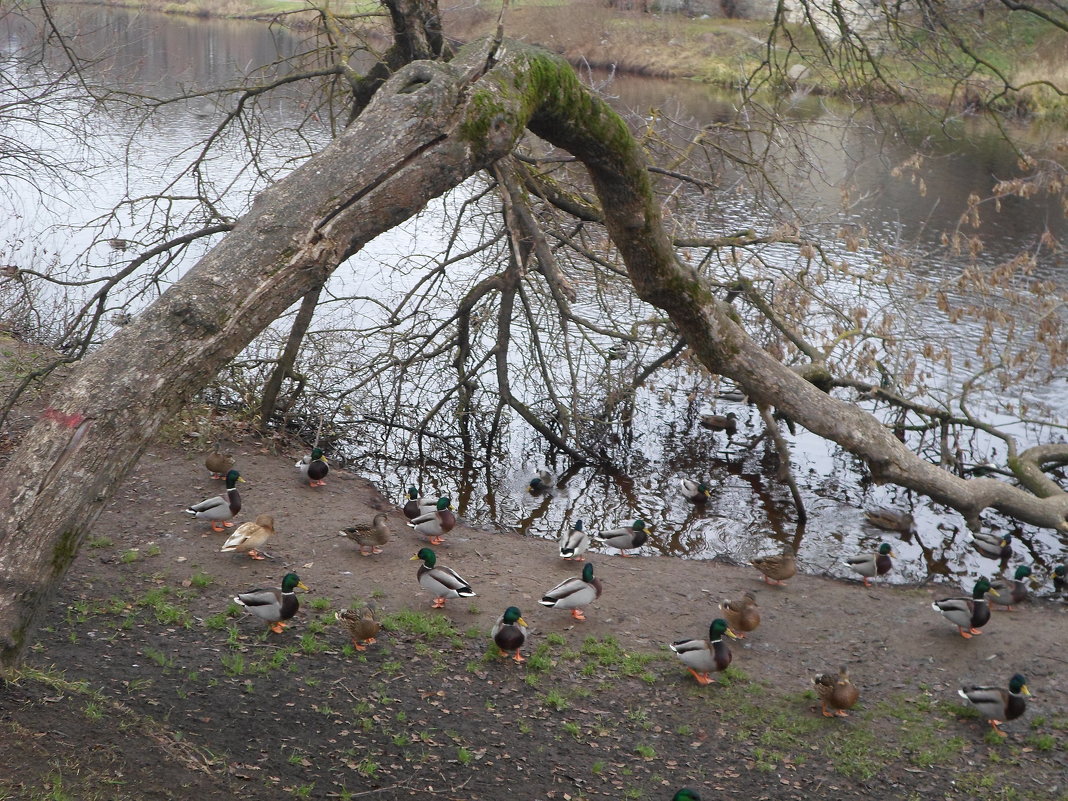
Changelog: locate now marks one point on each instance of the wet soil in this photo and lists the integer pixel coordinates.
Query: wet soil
(146, 682)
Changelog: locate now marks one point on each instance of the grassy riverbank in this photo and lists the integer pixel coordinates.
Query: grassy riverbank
(1017, 47)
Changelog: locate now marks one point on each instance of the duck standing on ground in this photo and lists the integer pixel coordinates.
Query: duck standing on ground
(1015, 591)
(837, 693)
(361, 625)
(574, 593)
(704, 657)
(273, 605)
(370, 538)
(434, 525)
(695, 491)
(625, 538)
(314, 468)
(972, 613)
(222, 508)
(869, 565)
(219, 464)
(574, 542)
(509, 633)
(250, 536)
(777, 568)
(997, 704)
(742, 615)
(415, 505)
(443, 581)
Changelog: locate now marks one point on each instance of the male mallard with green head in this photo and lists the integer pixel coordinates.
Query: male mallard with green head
(1060, 578)
(370, 538)
(742, 614)
(222, 508)
(776, 568)
(250, 536)
(436, 524)
(574, 593)
(837, 693)
(273, 605)
(695, 491)
(541, 483)
(509, 633)
(314, 468)
(704, 657)
(416, 505)
(361, 625)
(997, 704)
(972, 613)
(625, 538)
(869, 565)
(686, 794)
(443, 581)
(574, 542)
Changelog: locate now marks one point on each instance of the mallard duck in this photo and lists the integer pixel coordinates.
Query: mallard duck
(574, 593)
(836, 693)
(1060, 578)
(510, 632)
(443, 581)
(890, 519)
(704, 657)
(250, 536)
(274, 606)
(314, 468)
(574, 542)
(721, 422)
(686, 794)
(777, 567)
(415, 505)
(997, 704)
(435, 524)
(222, 508)
(869, 565)
(972, 613)
(742, 615)
(1015, 591)
(361, 625)
(695, 491)
(625, 538)
(993, 546)
(219, 464)
(541, 483)
(369, 538)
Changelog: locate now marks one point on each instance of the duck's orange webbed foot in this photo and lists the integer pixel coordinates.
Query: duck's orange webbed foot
(702, 678)
(278, 627)
(966, 635)
(439, 603)
(577, 614)
(974, 632)
(519, 657)
(217, 526)
(437, 540)
(256, 555)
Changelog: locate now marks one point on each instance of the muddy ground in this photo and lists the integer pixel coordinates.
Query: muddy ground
(146, 682)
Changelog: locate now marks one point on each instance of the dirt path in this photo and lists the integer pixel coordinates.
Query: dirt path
(152, 691)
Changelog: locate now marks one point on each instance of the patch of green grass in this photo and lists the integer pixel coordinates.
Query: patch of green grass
(555, 700)
(320, 604)
(419, 624)
(130, 555)
(233, 664)
(99, 542)
(201, 580)
(645, 751)
(310, 644)
(573, 729)
(464, 755)
(540, 660)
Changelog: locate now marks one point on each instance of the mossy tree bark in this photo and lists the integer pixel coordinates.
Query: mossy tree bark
(428, 128)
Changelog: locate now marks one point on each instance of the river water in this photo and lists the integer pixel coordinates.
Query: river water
(750, 510)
